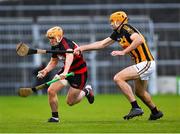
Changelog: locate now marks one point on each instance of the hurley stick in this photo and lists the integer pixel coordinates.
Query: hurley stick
(24, 92)
(23, 49)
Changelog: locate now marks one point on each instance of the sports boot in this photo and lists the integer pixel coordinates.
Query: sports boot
(133, 113)
(156, 116)
(89, 93)
(53, 119)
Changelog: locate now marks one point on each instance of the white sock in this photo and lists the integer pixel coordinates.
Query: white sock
(82, 94)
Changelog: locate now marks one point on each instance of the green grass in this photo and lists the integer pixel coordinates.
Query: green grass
(28, 115)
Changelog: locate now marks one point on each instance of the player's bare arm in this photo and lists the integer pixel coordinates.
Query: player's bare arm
(68, 62)
(136, 41)
(51, 65)
(95, 46)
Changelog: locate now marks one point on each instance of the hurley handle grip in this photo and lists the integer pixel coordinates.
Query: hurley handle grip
(54, 80)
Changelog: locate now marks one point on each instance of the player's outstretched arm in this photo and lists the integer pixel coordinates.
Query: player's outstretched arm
(95, 46)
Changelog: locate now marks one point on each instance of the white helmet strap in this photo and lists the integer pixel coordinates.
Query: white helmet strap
(58, 40)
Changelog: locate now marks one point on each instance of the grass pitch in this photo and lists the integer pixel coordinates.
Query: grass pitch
(29, 115)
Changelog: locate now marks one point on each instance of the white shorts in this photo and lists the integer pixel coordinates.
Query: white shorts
(145, 69)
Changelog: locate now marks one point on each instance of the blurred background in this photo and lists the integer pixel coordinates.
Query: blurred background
(85, 22)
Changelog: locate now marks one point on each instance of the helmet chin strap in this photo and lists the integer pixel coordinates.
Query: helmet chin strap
(58, 40)
(116, 24)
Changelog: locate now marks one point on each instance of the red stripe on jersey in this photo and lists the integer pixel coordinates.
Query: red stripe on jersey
(77, 64)
(65, 44)
(83, 70)
(82, 82)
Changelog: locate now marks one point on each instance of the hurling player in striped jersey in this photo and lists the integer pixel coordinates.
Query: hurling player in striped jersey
(133, 44)
(72, 63)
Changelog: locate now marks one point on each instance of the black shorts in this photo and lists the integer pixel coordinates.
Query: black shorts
(77, 81)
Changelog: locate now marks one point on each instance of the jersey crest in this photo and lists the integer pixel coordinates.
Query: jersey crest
(123, 42)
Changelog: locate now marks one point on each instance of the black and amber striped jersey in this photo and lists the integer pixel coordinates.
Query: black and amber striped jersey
(141, 53)
(78, 65)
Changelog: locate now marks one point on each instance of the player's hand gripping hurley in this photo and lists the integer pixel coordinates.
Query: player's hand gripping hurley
(24, 92)
(23, 49)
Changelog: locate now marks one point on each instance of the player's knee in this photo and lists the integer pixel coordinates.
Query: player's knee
(51, 92)
(69, 102)
(117, 79)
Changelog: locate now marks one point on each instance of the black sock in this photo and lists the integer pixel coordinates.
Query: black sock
(134, 104)
(154, 110)
(55, 114)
